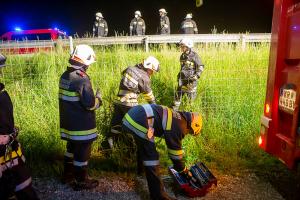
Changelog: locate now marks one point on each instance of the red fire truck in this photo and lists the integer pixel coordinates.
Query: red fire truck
(19, 41)
(280, 127)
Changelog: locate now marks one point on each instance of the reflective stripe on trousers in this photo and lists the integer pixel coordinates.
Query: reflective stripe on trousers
(23, 185)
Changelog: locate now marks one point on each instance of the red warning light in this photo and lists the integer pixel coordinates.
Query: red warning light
(260, 140)
(267, 109)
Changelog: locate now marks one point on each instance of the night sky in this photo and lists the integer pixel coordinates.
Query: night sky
(232, 16)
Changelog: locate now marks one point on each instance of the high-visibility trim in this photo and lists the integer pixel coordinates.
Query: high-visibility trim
(128, 93)
(127, 76)
(151, 162)
(135, 125)
(175, 152)
(78, 138)
(23, 185)
(11, 163)
(69, 155)
(167, 118)
(149, 96)
(96, 105)
(125, 103)
(149, 113)
(80, 164)
(68, 93)
(85, 132)
(169, 122)
(176, 157)
(136, 131)
(14, 154)
(125, 99)
(67, 98)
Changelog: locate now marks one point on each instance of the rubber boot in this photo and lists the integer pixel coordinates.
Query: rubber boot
(68, 175)
(155, 185)
(82, 182)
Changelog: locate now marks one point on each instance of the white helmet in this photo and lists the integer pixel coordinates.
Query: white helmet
(83, 54)
(189, 16)
(99, 14)
(2, 60)
(151, 63)
(163, 10)
(138, 13)
(186, 42)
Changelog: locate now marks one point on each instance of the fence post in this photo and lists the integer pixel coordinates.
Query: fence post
(71, 44)
(146, 43)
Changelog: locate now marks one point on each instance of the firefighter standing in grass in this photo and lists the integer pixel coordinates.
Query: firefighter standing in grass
(100, 28)
(137, 25)
(135, 80)
(14, 176)
(191, 69)
(189, 26)
(77, 105)
(145, 122)
(164, 26)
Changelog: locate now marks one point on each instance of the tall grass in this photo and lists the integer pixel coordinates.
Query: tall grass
(230, 96)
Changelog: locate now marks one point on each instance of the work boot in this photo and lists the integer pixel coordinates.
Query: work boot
(82, 182)
(68, 176)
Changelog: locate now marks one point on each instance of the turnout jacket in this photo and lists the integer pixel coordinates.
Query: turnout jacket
(189, 26)
(137, 26)
(164, 27)
(167, 124)
(135, 80)
(7, 127)
(100, 28)
(77, 105)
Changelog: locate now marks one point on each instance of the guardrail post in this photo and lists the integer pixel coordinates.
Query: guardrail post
(71, 44)
(146, 43)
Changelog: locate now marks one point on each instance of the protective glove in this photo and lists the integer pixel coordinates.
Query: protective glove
(188, 176)
(99, 96)
(194, 78)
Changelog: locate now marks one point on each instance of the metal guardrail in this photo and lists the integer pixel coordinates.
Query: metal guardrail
(145, 40)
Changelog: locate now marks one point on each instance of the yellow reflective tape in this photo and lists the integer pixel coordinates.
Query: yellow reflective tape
(14, 154)
(85, 132)
(175, 152)
(130, 78)
(169, 122)
(68, 93)
(95, 105)
(150, 94)
(135, 125)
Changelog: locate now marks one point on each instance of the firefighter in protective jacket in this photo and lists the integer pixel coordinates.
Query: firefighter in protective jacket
(14, 176)
(100, 28)
(145, 122)
(164, 27)
(189, 26)
(191, 69)
(137, 25)
(77, 105)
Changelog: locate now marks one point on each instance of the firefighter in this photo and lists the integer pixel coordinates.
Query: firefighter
(189, 26)
(145, 122)
(137, 25)
(14, 176)
(100, 28)
(77, 105)
(164, 28)
(191, 69)
(135, 80)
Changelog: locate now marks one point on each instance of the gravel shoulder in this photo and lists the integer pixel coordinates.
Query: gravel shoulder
(245, 186)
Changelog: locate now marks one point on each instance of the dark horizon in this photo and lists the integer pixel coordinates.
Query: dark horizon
(232, 16)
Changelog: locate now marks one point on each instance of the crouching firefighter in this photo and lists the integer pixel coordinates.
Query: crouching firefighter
(14, 176)
(145, 122)
(135, 80)
(77, 105)
(191, 69)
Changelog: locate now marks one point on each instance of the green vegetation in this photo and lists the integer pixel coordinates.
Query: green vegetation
(231, 94)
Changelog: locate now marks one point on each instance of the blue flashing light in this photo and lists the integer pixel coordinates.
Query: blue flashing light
(18, 29)
(56, 29)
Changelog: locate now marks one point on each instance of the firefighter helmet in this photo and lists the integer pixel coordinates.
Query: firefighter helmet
(186, 42)
(138, 13)
(151, 63)
(189, 16)
(163, 10)
(83, 54)
(99, 14)
(196, 123)
(2, 60)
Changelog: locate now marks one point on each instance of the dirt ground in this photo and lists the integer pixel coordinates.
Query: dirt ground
(246, 186)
